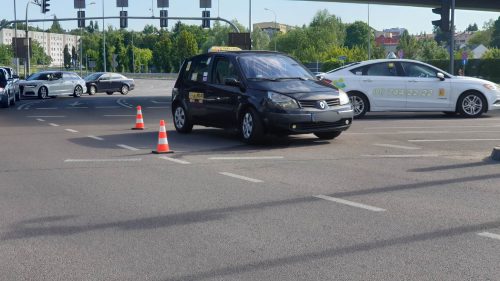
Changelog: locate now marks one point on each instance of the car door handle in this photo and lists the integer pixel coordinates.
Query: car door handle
(368, 80)
(413, 81)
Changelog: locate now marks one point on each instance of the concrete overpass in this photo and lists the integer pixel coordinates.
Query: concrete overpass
(482, 5)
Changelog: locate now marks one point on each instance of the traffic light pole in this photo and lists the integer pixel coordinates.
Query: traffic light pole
(27, 62)
(236, 29)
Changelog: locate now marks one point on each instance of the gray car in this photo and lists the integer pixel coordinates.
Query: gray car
(52, 83)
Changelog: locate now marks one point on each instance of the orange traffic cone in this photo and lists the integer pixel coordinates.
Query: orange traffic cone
(163, 146)
(139, 122)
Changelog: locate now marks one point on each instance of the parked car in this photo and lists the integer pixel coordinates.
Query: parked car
(257, 93)
(15, 81)
(52, 83)
(408, 85)
(105, 82)
(7, 96)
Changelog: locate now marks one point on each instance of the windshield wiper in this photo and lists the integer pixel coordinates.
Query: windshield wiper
(263, 78)
(292, 78)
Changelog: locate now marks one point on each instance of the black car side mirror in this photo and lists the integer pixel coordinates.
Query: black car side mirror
(232, 82)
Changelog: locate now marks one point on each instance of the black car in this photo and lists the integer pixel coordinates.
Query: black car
(257, 93)
(105, 82)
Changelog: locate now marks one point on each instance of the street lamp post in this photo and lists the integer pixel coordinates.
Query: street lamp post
(369, 35)
(81, 45)
(15, 36)
(275, 26)
(103, 39)
(27, 62)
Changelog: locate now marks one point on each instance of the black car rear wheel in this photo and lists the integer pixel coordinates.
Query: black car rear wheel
(181, 120)
(92, 90)
(13, 100)
(124, 90)
(251, 128)
(328, 135)
(4, 101)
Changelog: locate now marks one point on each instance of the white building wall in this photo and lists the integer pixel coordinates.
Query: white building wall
(52, 43)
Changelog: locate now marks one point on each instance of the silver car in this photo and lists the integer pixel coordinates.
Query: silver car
(53, 83)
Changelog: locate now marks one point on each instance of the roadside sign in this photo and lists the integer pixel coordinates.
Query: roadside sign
(343, 58)
(92, 64)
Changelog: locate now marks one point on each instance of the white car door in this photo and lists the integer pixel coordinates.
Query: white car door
(384, 85)
(425, 91)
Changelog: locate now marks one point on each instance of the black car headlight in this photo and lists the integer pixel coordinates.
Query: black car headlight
(282, 101)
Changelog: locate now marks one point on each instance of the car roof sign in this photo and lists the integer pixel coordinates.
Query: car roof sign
(218, 49)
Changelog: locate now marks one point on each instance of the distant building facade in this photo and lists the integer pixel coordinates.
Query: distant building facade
(271, 28)
(389, 38)
(52, 43)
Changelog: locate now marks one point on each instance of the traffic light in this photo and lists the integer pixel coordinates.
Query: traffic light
(163, 18)
(45, 6)
(444, 12)
(205, 22)
(81, 19)
(123, 19)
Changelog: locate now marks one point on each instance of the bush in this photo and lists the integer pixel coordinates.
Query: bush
(488, 69)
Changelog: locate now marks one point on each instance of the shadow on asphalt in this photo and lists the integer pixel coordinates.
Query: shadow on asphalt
(376, 116)
(485, 162)
(200, 141)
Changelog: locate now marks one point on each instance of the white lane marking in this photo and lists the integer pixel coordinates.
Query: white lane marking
(175, 160)
(105, 107)
(96, 138)
(71, 130)
(153, 101)
(39, 116)
(77, 107)
(400, 156)
(436, 127)
(46, 108)
(158, 107)
(247, 158)
(40, 119)
(27, 105)
(75, 103)
(119, 115)
(396, 146)
(350, 203)
(422, 132)
(454, 140)
(53, 125)
(128, 147)
(240, 177)
(489, 235)
(123, 103)
(101, 160)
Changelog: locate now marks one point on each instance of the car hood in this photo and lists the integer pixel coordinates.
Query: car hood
(297, 88)
(466, 79)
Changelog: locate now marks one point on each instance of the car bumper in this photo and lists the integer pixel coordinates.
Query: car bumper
(28, 91)
(310, 122)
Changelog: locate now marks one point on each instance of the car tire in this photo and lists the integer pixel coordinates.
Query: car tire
(78, 91)
(109, 93)
(92, 90)
(18, 96)
(43, 92)
(328, 135)
(13, 101)
(124, 90)
(251, 127)
(359, 103)
(471, 105)
(4, 102)
(182, 122)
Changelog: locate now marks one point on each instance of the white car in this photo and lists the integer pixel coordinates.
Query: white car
(408, 85)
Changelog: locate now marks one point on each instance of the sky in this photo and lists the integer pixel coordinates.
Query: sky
(296, 13)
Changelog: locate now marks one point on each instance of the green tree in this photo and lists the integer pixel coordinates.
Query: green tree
(74, 56)
(67, 57)
(472, 28)
(5, 54)
(495, 36)
(162, 53)
(430, 50)
(143, 59)
(260, 40)
(185, 46)
(357, 34)
(409, 45)
(492, 54)
(56, 26)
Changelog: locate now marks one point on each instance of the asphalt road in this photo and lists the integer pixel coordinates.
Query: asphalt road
(397, 197)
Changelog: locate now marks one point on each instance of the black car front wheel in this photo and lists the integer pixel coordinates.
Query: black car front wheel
(124, 90)
(4, 101)
(251, 128)
(92, 90)
(328, 135)
(181, 120)
(109, 93)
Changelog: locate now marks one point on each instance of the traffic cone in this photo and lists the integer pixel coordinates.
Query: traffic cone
(139, 122)
(163, 147)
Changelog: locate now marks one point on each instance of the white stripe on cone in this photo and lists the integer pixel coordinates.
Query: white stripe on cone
(163, 141)
(139, 120)
(162, 129)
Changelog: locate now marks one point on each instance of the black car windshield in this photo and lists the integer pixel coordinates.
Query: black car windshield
(39, 76)
(92, 77)
(273, 67)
